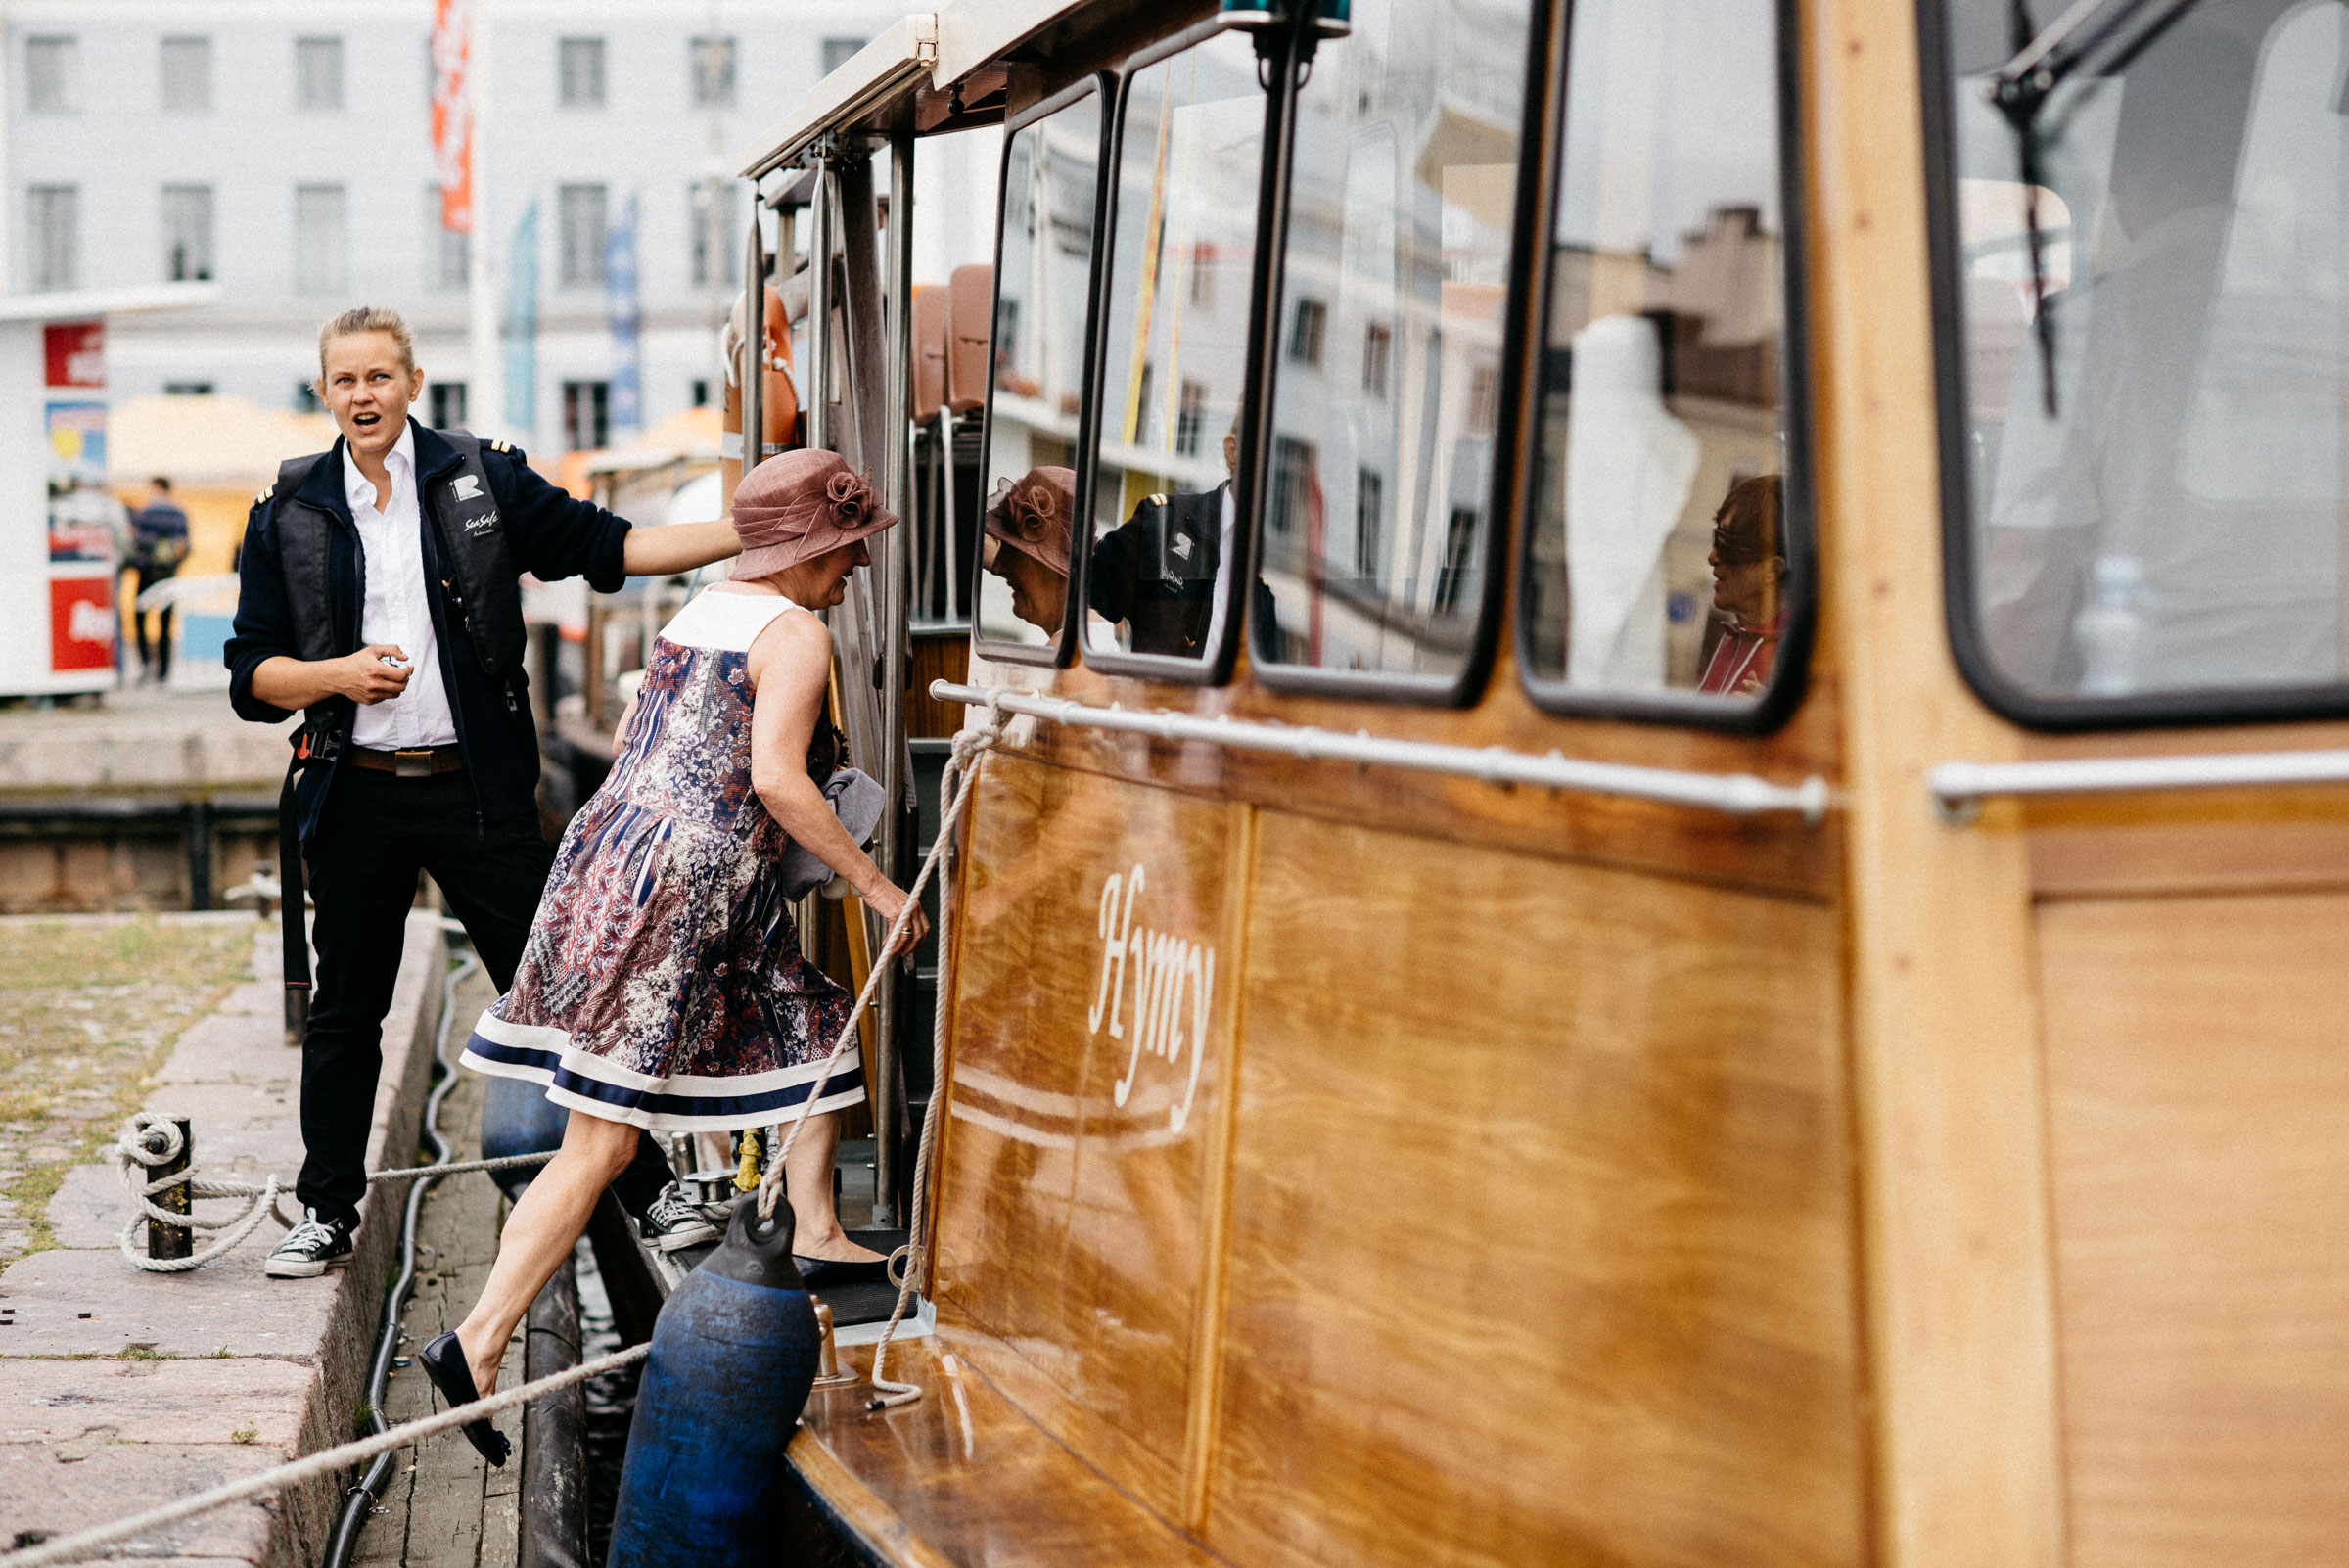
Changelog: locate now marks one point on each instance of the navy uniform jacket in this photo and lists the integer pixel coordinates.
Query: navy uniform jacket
(1157, 571)
(548, 534)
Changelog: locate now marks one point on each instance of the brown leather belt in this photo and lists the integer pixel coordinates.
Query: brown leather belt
(421, 763)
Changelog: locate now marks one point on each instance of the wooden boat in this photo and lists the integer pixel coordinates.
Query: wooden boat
(1468, 1041)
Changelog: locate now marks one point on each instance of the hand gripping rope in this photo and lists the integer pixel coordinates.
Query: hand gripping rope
(962, 774)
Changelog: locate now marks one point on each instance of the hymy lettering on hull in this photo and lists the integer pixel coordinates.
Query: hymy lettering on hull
(1170, 981)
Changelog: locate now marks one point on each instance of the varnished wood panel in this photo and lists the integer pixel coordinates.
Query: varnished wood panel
(2189, 842)
(2198, 1076)
(960, 1477)
(1076, 1157)
(1541, 1221)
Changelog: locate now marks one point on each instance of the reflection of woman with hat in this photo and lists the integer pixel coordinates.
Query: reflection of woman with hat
(1749, 587)
(664, 987)
(1028, 543)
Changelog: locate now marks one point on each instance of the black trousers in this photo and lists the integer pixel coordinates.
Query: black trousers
(156, 656)
(377, 831)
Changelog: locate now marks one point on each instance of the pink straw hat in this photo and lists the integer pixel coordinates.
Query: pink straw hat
(1030, 514)
(798, 505)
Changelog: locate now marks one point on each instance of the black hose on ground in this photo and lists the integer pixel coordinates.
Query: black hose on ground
(362, 1498)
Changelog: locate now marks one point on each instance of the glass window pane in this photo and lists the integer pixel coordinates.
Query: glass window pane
(187, 66)
(1658, 556)
(1176, 358)
(53, 76)
(1051, 174)
(1380, 493)
(321, 238)
(318, 74)
(2158, 507)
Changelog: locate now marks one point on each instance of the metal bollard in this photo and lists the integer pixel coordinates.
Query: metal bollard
(162, 1240)
(828, 1373)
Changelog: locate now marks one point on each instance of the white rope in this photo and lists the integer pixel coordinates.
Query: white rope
(152, 1138)
(84, 1544)
(149, 1132)
(967, 745)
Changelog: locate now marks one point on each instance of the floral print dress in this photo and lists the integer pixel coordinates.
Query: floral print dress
(662, 984)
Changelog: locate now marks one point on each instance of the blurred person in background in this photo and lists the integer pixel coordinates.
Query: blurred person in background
(158, 544)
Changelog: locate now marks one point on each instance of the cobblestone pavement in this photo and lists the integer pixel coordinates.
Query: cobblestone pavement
(89, 1007)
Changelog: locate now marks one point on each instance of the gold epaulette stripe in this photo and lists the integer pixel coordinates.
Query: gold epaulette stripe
(262, 500)
(1157, 500)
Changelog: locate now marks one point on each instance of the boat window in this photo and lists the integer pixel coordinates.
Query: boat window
(1182, 259)
(2143, 409)
(1381, 484)
(1664, 567)
(1043, 292)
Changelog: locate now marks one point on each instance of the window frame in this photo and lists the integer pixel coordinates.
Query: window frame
(1790, 671)
(1214, 666)
(321, 46)
(1073, 619)
(2193, 706)
(1511, 446)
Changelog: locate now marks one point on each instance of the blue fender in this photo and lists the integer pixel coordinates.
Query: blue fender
(734, 1355)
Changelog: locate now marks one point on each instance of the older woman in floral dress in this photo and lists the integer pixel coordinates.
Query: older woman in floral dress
(664, 987)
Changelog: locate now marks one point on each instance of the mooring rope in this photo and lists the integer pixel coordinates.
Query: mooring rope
(151, 1139)
(962, 770)
(84, 1544)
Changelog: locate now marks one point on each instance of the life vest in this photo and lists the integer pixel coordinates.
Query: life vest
(477, 572)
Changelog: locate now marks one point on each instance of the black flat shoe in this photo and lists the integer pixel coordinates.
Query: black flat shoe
(443, 1362)
(816, 1272)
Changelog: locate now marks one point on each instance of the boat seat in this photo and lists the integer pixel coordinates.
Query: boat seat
(959, 1477)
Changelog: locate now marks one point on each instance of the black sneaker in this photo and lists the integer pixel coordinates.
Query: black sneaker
(311, 1248)
(671, 1222)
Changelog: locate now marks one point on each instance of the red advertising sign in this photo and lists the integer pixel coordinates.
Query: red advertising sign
(76, 352)
(82, 624)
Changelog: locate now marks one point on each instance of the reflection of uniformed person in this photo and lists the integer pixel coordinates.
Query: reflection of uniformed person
(1157, 571)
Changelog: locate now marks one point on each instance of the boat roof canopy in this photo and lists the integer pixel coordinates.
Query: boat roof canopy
(928, 49)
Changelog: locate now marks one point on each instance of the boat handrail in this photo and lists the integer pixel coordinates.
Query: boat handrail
(1733, 794)
(1960, 787)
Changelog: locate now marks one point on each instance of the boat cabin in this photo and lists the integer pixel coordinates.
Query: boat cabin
(1664, 877)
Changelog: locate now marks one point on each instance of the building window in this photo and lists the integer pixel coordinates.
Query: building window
(53, 76)
(319, 75)
(1370, 521)
(1203, 277)
(1459, 561)
(1305, 331)
(711, 61)
(53, 213)
(321, 238)
(712, 211)
(1378, 357)
(1484, 400)
(586, 413)
(580, 67)
(580, 209)
(187, 75)
(837, 52)
(448, 253)
(188, 233)
(305, 399)
(447, 398)
(1190, 418)
(1293, 463)
(701, 391)
(186, 388)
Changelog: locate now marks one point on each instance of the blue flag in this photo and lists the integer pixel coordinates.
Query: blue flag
(619, 305)
(521, 331)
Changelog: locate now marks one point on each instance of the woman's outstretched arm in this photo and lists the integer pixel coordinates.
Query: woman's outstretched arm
(790, 666)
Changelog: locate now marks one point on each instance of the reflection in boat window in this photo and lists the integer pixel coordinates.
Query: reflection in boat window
(1181, 254)
(1050, 184)
(1379, 496)
(2165, 511)
(1658, 549)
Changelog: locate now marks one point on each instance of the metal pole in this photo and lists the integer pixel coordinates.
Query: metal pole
(754, 349)
(816, 377)
(896, 434)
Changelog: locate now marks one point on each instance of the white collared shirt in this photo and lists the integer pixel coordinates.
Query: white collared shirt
(392, 542)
